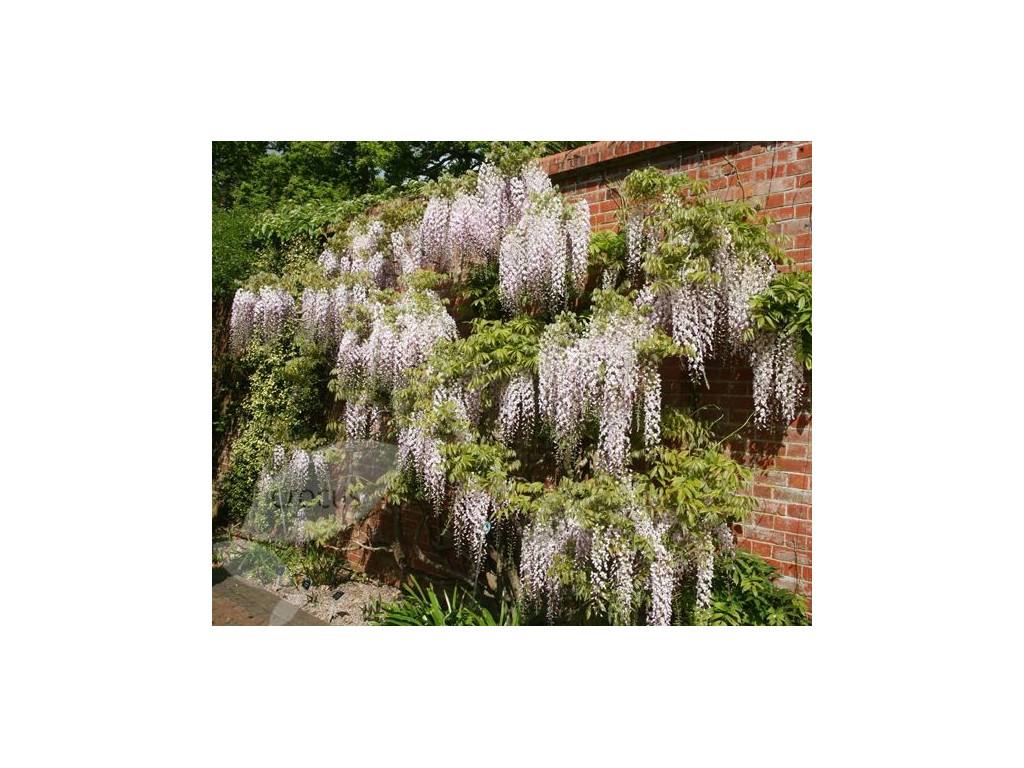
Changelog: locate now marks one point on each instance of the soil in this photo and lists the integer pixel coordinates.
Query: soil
(238, 600)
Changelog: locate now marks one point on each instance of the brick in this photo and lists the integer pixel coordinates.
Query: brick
(781, 214)
(802, 240)
(786, 569)
(803, 181)
(801, 196)
(803, 482)
(758, 548)
(767, 535)
(802, 211)
(784, 184)
(787, 464)
(775, 201)
(787, 582)
(793, 525)
(790, 494)
(798, 167)
(804, 150)
(772, 507)
(783, 555)
(796, 450)
(744, 163)
(783, 155)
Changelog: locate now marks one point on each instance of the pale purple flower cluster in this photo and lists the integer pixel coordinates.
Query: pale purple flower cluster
(397, 342)
(407, 249)
(362, 420)
(261, 315)
(639, 240)
(324, 311)
(545, 253)
(329, 263)
(297, 472)
(419, 450)
(469, 512)
(705, 571)
(541, 542)
(321, 470)
(611, 574)
(650, 386)
(709, 312)
(287, 475)
(468, 227)
(662, 576)
(542, 245)
(599, 373)
(364, 254)
(726, 540)
(778, 379)
(624, 582)
(518, 409)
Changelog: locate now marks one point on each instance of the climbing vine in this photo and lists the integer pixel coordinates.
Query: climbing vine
(535, 428)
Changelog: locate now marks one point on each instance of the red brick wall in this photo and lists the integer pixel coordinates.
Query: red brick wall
(776, 177)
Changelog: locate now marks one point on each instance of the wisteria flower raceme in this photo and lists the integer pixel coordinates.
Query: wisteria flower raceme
(469, 512)
(400, 338)
(261, 315)
(599, 373)
(518, 410)
(778, 379)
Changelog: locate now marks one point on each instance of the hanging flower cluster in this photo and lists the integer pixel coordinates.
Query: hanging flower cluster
(542, 541)
(611, 564)
(364, 254)
(709, 307)
(400, 338)
(420, 450)
(599, 373)
(518, 409)
(638, 552)
(469, 513)
(324, 311)
(542, 244)
(261, 315)
(778, 379)
(640, 239)
(363, 420)
(469, 226)
(284, 480)
(407, 249)
(545, 253)
(662, 577)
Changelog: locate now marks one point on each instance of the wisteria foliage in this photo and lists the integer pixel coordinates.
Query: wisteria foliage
(706, 307)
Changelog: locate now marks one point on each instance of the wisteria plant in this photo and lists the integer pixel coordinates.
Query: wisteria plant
(529, 418)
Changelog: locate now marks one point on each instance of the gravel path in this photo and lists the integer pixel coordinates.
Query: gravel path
(238, 599)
